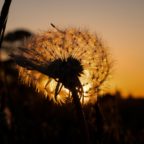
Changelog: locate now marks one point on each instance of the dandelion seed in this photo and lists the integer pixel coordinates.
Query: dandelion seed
(55, 62)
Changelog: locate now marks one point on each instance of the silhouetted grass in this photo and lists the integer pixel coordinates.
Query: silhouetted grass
(27, 117)
(35, 119)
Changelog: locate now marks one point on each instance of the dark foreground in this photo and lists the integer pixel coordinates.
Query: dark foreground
(26, 117)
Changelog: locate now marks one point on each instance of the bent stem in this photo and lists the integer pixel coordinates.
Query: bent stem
(3, 18)
(81, 116)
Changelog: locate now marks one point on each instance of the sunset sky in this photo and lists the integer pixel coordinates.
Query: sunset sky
(119, 22)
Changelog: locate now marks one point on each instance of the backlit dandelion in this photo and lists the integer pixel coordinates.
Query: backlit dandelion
(57, 61)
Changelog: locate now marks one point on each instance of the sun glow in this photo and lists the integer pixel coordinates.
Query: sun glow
(57, 62)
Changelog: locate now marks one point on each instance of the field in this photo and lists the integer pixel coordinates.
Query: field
(28, 117)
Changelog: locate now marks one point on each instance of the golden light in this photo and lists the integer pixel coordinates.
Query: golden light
(56, 61)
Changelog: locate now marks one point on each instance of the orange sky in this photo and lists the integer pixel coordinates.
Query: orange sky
(120, 23)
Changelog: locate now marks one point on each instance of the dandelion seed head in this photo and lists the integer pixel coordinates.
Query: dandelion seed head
(54, 61)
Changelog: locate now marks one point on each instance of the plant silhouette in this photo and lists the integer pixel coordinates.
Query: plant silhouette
(65, 65)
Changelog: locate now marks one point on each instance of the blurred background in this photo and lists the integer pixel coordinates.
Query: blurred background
(119, 116)
(119, 23)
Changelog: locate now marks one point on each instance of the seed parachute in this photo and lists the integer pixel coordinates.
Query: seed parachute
(56, 61)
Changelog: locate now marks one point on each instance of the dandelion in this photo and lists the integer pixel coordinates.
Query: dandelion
(57, 61)
(64, 65)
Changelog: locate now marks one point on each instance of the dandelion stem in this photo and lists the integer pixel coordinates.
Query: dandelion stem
(81, 116)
